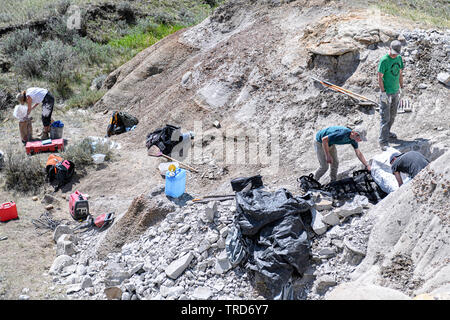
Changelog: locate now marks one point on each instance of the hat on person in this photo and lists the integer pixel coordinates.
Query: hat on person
(395, 154)
(361, 132)
(396, 47)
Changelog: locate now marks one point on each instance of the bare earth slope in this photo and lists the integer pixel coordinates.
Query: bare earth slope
(248, 66)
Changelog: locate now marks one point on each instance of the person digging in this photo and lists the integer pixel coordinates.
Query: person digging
(411, 163)
(390, 80)
(32, 97)
(325, 145)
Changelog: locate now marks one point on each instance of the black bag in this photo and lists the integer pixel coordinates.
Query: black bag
(309, 183)
(239, 184)
(164, 138)
(361, 183)
(367, 186)
(119, 122)
(60, 173)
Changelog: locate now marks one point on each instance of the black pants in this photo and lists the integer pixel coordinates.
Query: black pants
(47, 109)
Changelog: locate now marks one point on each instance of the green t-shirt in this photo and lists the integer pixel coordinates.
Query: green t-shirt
(390, 68)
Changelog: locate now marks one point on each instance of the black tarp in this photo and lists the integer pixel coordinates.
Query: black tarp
(269, 237)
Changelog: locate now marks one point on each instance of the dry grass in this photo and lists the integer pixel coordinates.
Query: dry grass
(434, 13)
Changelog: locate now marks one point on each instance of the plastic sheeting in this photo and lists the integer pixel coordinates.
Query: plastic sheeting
(20, 112)
(269, 237)
(381, 171)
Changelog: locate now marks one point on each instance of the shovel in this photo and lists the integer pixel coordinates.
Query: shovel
(154, 151)
(404, 106)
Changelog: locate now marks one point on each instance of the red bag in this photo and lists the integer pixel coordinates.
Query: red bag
(8, 211)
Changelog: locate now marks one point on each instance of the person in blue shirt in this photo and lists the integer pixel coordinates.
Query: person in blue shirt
(325, 145)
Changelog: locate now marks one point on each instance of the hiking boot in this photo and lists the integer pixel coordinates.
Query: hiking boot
(384, 145)
(44, 135)
(392, 135)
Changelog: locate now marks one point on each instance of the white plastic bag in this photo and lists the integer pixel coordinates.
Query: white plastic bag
(98, 158)
(20, 112)
(382, 173)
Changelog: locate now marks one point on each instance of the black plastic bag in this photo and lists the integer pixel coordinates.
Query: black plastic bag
(273, 233)
(239, 184)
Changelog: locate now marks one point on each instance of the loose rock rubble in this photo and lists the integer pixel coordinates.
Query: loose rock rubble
(184, 257)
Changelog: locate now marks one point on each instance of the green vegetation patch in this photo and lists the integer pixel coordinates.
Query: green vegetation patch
(144, 35)
(432, 12)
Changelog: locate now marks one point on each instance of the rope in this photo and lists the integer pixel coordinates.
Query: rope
(45, 221)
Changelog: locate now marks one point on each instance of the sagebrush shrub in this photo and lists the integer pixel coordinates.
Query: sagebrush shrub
(81, 152)
(19, 41)
(23, 173)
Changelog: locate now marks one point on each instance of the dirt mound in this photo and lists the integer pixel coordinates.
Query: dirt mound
(143, 212)
(408, 248)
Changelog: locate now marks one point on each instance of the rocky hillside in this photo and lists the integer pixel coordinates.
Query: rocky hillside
(240, 79)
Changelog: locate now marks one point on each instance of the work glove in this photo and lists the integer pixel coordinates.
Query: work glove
(384, 97)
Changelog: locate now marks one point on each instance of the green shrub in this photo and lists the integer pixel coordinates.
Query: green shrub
(57, 29)
(92, 53)
(60, 64)
(85, 99)
(19, 41)
(81, 152)
(23, 173)
(53, 61)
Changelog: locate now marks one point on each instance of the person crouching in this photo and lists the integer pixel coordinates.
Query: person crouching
(32, 97)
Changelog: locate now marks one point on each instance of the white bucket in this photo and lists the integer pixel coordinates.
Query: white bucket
(164, 166)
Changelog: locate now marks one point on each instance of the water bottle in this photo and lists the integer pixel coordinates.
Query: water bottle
(175, 182)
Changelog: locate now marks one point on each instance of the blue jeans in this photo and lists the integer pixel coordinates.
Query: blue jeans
(388, 112)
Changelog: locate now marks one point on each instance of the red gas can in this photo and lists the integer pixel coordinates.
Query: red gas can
(8, 211)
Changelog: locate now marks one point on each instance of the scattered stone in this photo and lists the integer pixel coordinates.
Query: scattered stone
(202, 293)
(60, 263)
(113, 293)
(60, 230)
(65, 246)
(324, 204)
(348, 209)
(444, 78)
(210, 212)
(324, 283)
(74, 288)
(317, 224)
(422, 86)
(352, 254)
(331, 219)
(176, 268)
(222, 263)
(49, 207)
(327, 252)
(35, 198)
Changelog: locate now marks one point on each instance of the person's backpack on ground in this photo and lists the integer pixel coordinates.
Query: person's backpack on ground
(119, 123)
(59, 171)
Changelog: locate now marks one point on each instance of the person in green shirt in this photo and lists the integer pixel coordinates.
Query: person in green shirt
(390, 80)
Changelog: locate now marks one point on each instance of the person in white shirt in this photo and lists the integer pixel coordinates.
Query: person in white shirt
(32, 97)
